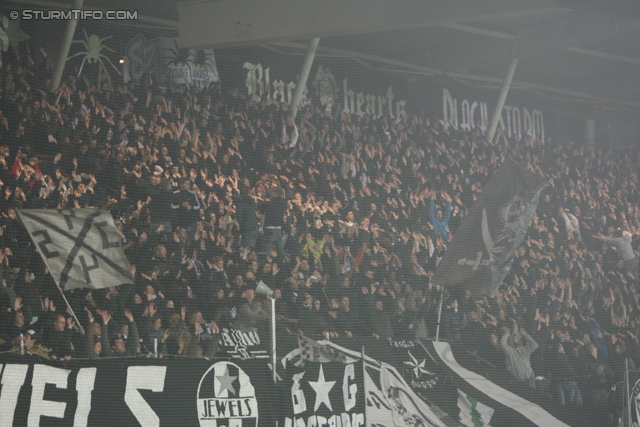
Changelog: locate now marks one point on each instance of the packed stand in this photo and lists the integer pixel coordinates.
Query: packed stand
(344, 217)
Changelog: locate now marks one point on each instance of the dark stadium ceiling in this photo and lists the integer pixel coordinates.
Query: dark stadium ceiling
(584, 53)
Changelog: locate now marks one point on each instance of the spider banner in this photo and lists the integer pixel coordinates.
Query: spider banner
(93, 53)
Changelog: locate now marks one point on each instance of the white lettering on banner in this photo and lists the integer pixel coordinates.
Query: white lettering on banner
(475, 263)
(188, 66)
(349, 104)
(382, 100)
(465, 123)
(297, 395)
(538, 123)
(84, 385)
(259, 85)
(371, 105)
(228, 408)
(507, 109)
(342, 420)
(13, 377)
(242, 345)
(374, 106)
(254, 83)
(43, 375)
(322, 389)
(429, 384)
(278, 91)
(401, 343)
(188, 73)
(517, 122)
(449, 110)
(349, 391)
(226, 395)
(359, 102)
(144, 378)
(514, 121)
(390, 97)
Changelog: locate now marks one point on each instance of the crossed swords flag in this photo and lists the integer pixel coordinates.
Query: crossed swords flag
(82, 248)
(480, 255)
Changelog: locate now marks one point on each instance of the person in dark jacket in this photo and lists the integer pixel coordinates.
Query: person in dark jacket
(247, 219)
(453, 322)
(346, 317)
(492, 352)
(598, 383)
(274, 211)
(59, 340)
(118, 348)
(186, 208)
(564, 381)
(159, 204)
(380, 321)
(307, 317)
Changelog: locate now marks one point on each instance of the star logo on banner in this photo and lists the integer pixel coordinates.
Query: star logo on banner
(226, 381)
(322, 389)
(418, 367)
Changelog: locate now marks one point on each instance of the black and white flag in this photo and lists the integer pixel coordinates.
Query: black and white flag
(484, 400)
(481, 253)
(390, 402)
(82, 248)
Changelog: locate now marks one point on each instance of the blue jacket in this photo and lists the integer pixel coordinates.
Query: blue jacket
(440, 226)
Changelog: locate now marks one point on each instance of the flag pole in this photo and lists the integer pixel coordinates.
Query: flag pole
(425, 349)
(439, 314)
(69, 306)
(274, 357)
(364, 375)
(627, 390)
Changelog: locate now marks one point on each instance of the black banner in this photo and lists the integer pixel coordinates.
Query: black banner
(323, 394)
(135, 392)
(410, 358)
(481, 253)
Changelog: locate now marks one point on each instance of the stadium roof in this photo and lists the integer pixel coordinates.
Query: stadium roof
(578, 52)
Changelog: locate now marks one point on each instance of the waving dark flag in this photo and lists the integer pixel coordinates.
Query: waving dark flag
(481, 253)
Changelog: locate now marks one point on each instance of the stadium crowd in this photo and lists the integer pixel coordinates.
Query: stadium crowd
(344, 217)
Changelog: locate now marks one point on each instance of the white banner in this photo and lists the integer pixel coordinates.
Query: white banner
(188, 66)
(159, 60)
(82, 248)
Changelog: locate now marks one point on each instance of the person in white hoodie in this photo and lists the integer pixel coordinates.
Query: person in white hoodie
(571, 224)
(622, 241)
(518, 355)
